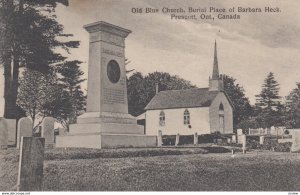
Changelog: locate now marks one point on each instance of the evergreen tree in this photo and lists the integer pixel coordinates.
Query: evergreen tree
(242, 109)
(70, 80)
(28, 37)
(269, 103)
(269, 96)
(293, 109)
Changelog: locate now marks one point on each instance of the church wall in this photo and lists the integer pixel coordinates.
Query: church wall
(214, 114)
(199, 121)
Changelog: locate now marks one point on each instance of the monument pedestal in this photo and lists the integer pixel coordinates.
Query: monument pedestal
(106, 132)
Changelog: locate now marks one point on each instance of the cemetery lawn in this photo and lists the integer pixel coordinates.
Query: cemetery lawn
(188, 171)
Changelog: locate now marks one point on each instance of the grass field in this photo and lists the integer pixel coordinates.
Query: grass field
(189, 170)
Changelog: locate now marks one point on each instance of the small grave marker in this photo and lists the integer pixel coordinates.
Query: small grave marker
(177, 139)
(48, 131)
(159, 138)
(195, 139)
(24, 129)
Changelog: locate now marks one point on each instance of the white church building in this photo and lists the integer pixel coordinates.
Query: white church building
(189, 111)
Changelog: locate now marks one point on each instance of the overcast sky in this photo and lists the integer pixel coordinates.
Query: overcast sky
(248, 49)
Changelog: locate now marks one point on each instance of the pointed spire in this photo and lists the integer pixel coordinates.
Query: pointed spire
(215, 74)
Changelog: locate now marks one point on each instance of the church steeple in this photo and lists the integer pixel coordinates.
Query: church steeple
(215, 74)
(215, 82)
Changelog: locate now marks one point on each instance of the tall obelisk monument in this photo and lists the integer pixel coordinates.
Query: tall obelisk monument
(106, 122)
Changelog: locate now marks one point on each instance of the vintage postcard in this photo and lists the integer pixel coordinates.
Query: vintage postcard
(149, 95)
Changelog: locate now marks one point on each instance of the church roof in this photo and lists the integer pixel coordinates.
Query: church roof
(195, 97)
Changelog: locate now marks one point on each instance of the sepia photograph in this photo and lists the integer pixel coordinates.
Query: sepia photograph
(149, 95)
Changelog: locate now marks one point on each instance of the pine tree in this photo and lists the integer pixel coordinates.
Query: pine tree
(269, 95)
(70, 79)
(28, 38)
(293, 109)
(269, 103)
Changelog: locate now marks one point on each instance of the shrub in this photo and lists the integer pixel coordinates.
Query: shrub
(186, 139)
(168, 140)
(272, 144)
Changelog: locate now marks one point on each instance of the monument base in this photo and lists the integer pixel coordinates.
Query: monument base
(98, 140)
(109, 131)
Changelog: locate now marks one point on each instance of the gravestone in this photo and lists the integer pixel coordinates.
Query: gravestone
(30, 176)
(239, 136)
(10, 132)
(48, 131)
(233, 139)
(195, 138)
(24, 129)
(244, 141)
(295, 141)
(228, 140)
(3, 134)
(240, 132)
(159, 139)
(177, 139)
(106, 123)
(261, 140)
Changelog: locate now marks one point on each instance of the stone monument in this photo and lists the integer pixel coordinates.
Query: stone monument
(106, 124)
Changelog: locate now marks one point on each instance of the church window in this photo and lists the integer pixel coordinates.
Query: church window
(186, 117)
(162, 118)
(221, 107)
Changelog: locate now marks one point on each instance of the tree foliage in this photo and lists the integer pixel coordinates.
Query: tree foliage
(270, 111)
(141, 89)
(269, 98)
(36, 92)
(28, 37)
(70, 80)
(293, 109)
(242, 108)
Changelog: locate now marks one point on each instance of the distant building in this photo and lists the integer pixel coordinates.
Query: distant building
(201, 110)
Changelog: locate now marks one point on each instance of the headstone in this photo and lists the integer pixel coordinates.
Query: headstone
(30, 176)
(239, 136)
(159, 139)
(12, 131)
(244, 143)
(295, 141)
(233, 139)
(48, 131)
(240, 132)
(195, 139)
(228, 140)
(177, 139)
(273, 130)
(24, 129)
(3, 134)
(261, 140)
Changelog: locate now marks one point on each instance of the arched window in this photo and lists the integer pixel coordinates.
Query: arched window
(186, 117)
(221, 107)
(162, 119)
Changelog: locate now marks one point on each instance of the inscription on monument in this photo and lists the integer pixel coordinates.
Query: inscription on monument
(114, 53)
(113, 96)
